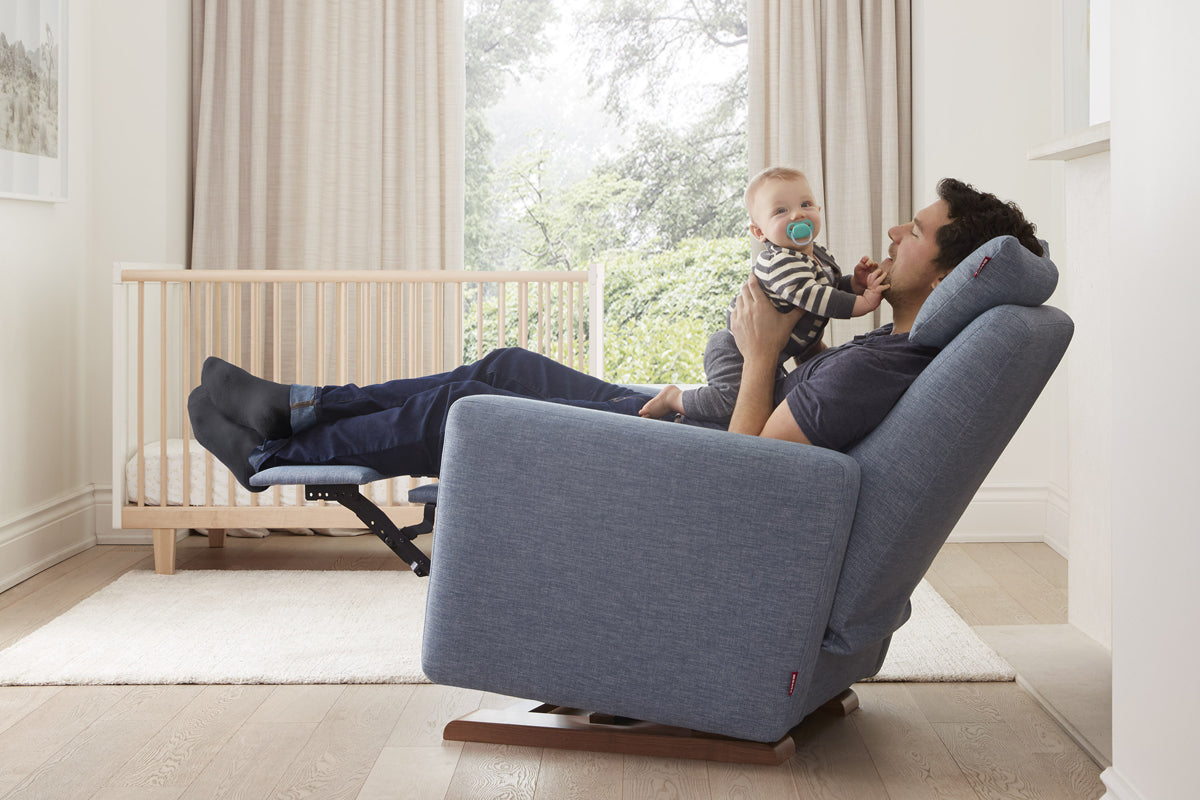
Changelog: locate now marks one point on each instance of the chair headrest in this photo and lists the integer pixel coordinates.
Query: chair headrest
(1000, 272)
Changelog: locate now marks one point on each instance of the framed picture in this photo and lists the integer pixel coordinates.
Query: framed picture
(33, 99)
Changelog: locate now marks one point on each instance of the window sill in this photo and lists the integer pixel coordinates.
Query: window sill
(1079, 144)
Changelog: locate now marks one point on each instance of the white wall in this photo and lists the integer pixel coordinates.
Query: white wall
(127, 150)
(45, 493)
(1088, 286)
(986, 89)
(1155, 433)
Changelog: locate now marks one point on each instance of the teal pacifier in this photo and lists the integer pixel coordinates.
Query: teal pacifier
(800, 232)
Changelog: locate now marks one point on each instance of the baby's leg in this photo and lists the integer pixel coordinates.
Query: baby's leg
(666, 402)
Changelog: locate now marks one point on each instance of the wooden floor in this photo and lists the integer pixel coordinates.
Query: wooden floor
(920, 741)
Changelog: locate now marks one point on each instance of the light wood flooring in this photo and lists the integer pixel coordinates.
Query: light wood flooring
(921, 741)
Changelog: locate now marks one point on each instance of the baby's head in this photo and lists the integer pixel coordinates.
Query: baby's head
(777, 197)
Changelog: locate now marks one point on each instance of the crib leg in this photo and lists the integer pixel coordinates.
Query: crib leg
(216, 537)
(164, 551)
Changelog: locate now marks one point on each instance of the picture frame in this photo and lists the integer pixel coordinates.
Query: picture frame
(33, 100)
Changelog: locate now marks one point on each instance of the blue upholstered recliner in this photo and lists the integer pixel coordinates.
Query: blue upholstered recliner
(719, 582)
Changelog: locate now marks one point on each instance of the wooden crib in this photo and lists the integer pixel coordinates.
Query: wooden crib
(313, 327)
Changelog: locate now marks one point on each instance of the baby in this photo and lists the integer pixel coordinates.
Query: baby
(794, 273)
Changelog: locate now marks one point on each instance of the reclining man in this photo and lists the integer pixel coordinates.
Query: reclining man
(833, 400)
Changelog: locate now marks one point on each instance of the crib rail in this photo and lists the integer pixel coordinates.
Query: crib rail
(314, 327)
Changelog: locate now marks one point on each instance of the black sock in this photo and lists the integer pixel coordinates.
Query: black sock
(231, 443)
(249, 401)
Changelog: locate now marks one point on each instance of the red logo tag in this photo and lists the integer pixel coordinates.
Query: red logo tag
(982, 264)
(792, 685)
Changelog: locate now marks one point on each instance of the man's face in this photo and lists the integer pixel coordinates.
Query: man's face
(909, 264)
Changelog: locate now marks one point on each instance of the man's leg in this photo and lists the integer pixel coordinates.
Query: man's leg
(513, 370)
(276, 410)
(406, 439)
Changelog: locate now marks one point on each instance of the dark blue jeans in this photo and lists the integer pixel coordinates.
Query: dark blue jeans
(399, 427)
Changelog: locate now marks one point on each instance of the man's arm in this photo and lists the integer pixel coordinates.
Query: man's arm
(761, 332)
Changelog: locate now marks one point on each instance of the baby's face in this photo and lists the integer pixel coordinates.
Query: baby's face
(778, 203)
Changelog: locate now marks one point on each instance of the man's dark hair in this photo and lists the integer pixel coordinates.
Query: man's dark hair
(976, 217)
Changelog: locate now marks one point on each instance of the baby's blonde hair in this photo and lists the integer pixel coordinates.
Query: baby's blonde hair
(771, 174)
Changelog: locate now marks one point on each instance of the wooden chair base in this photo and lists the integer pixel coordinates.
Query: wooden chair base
(543, 725)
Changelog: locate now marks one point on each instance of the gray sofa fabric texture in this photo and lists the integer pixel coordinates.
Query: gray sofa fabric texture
(633, 565)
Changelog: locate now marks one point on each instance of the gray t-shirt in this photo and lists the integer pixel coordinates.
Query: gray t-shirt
(840, 395)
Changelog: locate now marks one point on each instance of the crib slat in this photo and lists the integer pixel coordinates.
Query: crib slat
(479, 322)
(558, 321)
(189, 380)
(569, 331)
(141, 391)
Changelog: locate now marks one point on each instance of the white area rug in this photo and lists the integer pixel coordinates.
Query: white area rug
(278, 627)
(937, 645)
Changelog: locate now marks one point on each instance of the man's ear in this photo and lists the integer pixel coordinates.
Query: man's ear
(938, 278)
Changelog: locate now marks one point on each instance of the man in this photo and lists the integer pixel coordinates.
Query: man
(833, 400)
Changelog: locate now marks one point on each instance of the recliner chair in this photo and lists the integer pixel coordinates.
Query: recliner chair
(713, 582)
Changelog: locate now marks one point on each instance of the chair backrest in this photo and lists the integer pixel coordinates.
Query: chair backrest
(924, 463)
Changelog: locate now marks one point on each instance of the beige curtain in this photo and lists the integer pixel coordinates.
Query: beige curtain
(328, 134)
(831, 94)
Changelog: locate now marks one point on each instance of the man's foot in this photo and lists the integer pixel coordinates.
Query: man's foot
(231, 443)
(249, 401)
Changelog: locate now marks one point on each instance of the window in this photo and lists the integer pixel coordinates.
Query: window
(613, 132)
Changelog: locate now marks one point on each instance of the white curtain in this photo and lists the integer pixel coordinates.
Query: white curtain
(831, 94)
(328, 135)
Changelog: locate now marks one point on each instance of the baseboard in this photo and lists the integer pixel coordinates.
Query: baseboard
(1058, 518)
(1118, 787)
(45, 535)
(107, 534)
(1005, 513)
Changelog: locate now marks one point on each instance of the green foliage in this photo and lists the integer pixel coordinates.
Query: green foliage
(660, 310)
(636, 46)
(689, 184)
(569, 228)
(663, 212)
(502, 39)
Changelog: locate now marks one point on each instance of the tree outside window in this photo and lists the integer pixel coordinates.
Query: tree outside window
(614, 132)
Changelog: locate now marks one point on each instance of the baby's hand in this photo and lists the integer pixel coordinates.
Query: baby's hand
(669, 400)
(877, 283)
(862, 274)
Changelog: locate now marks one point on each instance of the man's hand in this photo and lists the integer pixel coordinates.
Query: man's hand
(760, 333)
(759, 330)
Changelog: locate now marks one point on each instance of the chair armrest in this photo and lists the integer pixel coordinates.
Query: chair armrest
(637, 567)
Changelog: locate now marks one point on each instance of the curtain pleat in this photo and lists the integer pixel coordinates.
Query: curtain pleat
(831, 94)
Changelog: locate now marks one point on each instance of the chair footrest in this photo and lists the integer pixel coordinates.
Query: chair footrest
(340, 484)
